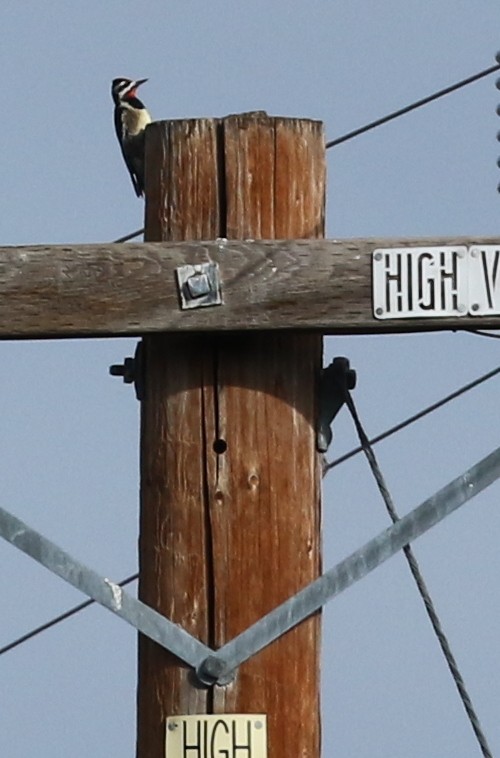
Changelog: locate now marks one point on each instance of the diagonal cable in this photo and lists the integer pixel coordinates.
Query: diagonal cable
(413, 106)
(128, 237)
(411, 419)
(57, 619)
(421, 586)
(481, 333)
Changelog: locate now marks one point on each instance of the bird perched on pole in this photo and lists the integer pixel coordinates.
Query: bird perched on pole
(131, 119)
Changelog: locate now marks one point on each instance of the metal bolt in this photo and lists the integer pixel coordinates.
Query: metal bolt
(132, 371)
(198, 285)
(474, 307)
(125, 369)
(213, 671)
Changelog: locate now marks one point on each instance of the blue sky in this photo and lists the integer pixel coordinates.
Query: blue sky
(69, 433)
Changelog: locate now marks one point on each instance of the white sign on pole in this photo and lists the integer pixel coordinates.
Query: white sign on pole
(434, 282)
(419, 282)
(217, 736)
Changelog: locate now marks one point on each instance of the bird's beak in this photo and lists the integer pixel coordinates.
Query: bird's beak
(138, 82)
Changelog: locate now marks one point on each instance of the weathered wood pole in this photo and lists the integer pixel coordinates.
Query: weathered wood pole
(230, 478)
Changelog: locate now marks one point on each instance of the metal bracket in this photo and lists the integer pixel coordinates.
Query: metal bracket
(199, 285)
(214, 667)
(334, 382)
(360, 563)
(132, 370)
(104, 591)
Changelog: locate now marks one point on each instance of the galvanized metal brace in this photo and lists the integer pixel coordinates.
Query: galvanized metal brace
(360, 563)
(217, 666)
(103, 591)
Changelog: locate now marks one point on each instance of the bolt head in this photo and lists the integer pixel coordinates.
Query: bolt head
(198, 285)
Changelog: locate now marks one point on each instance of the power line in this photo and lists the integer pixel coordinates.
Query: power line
(413, 106)
(58, 619)
(128, 237)
(480, 333)
(411, 420)
(384, 120)
(421, 586)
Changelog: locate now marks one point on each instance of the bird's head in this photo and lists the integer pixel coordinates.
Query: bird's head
(124, 89)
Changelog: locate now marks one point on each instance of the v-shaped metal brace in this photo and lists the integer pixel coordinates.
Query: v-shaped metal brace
(217, 666)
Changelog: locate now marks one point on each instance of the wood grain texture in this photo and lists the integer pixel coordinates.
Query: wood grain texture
(264, 492)
(173, 540)
(187, 210)
(182, 201)
(126, 289)
(230, 481)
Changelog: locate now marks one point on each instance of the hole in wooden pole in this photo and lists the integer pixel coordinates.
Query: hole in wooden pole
(220, 446)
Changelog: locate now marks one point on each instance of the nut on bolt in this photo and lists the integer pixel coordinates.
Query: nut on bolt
(132, 371)
(212, 671)
(125, 369)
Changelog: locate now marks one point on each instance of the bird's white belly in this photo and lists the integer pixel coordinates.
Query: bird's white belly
(136, 120)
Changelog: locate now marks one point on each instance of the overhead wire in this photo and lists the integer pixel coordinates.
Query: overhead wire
(420, 583)
(481, 333)
(413, 106)
(128, 237)
(62, 617)
(384, 119)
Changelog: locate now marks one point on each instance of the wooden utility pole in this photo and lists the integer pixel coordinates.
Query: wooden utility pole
(230, 502)
(230, 485)
(230, 481)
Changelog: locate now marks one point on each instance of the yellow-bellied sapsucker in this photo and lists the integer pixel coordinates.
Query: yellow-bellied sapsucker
(131, 119)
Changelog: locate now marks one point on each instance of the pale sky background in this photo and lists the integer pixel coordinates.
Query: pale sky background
(69, 432)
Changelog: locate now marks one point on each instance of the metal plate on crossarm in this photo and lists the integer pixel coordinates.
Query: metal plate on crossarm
(419, 282)
(221, 735)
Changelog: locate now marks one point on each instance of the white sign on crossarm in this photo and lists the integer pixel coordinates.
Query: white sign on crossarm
(484, 280)
(225, 735)
(419, 282)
